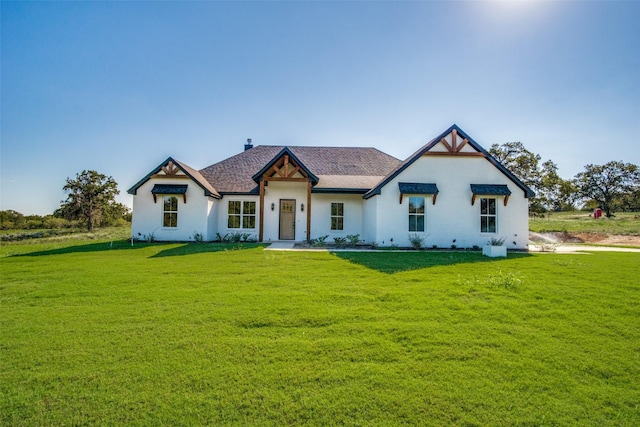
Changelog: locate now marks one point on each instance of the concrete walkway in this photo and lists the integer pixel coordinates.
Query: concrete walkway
(280, 246)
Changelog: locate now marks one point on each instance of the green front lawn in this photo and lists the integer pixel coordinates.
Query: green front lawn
(175, 334)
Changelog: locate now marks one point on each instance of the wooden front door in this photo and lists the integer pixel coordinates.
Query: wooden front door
(287, 219)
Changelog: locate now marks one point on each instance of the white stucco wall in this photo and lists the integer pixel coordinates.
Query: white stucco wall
(221, 216)
(453, 216)
(192, 216)
(321, 215)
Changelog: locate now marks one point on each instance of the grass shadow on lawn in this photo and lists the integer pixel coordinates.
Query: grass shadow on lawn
(198, 248)
(84, 248)
(184, 249)
(394, 262)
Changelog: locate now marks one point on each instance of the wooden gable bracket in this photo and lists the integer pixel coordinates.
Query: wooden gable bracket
(506, 200)
(455, 148)
(170, 168)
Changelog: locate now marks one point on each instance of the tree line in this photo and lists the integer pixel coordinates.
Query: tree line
(613, 186)
(90, 203)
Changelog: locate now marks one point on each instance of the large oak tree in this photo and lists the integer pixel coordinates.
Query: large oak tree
(90, 196)
(608, 184)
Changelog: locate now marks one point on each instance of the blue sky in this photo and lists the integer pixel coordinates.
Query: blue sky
(119, 86)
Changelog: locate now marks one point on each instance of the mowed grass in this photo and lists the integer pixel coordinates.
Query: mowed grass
(175, 334)
(576, 222)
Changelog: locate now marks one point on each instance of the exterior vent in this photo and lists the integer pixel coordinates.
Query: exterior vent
(248, 145)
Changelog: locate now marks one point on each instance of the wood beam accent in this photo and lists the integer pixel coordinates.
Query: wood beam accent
(170, 176)
(435, 196)
(446, 144)
(506, 200)
(454, 141)
(446, 153)
(401, 197)
(261, 232)
(308, 211)
(462, 144)
(286, 165)
(286, 179)
(155, 199)
(277, 170)
(170, 169)
(294, 172)
(473, 200)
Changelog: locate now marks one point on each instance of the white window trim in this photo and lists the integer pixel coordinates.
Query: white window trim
(242, 215)
(169, 212)
(424, 214)
(331, 216)
(495, 215)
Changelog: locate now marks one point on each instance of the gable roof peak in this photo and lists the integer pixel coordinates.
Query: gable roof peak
(170, 167)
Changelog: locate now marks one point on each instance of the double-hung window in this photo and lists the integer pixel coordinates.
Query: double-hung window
(416, 213)
(242, 214)
(170, 212)
(488, 215)
(337, 216)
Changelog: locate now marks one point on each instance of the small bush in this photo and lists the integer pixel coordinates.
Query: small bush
(198, 237)
(319, 241)
(417, 241)
(340, 242)
(496, 242)
(353, 239)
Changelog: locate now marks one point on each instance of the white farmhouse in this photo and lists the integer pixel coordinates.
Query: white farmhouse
(451, 192)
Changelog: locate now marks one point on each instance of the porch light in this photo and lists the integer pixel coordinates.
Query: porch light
(273, 206)
(301, 207)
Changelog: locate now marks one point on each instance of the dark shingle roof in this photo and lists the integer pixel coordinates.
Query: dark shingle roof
(336, 167)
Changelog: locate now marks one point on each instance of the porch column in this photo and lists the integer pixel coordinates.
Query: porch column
(308, 211)
(261, 233)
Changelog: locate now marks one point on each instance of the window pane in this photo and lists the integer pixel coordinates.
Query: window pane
(416, 204)
(234, 221)
(416, 222)
(234, 208)
(492, 206)
(170, 204)
(249, 221)
(337, 223)
(249, 208)
(483, 206)
(491, 224)
(170, 220)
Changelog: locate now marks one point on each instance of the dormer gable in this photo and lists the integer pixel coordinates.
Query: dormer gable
(452, 142)
(173, 169)
(285, 166)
